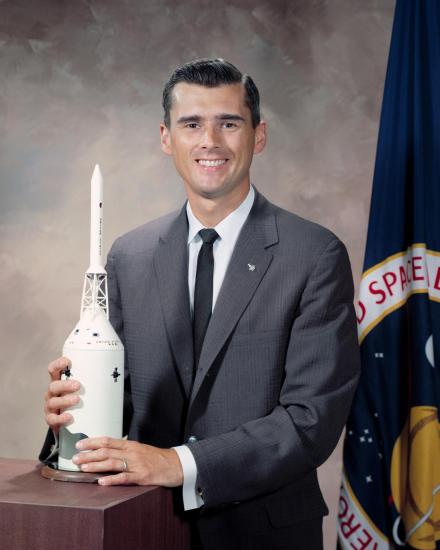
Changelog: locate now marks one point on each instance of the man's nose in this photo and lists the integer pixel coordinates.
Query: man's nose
(210, 137)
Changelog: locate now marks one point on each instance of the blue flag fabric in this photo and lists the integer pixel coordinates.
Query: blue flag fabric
(390, 495)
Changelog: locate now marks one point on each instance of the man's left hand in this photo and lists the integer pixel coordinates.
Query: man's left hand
(136, 463)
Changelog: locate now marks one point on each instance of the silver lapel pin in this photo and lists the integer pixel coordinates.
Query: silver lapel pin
(251, 267)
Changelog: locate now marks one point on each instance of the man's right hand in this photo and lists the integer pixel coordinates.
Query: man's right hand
(59, 395)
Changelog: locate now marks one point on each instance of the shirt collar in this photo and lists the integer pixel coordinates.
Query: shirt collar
(229, 228)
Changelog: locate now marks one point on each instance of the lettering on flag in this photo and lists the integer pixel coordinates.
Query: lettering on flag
(355, 529)
(387, 286)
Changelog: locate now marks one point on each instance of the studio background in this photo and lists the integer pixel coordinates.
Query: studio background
(81, 83)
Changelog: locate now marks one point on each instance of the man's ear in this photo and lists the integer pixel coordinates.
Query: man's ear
(165, 139)
(260, 137)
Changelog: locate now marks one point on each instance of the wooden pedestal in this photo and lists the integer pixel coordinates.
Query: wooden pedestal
(40, 514)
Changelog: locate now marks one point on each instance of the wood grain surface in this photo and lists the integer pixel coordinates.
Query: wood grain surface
(40, 514)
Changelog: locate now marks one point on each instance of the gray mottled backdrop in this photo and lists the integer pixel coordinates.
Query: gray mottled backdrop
(81, 83)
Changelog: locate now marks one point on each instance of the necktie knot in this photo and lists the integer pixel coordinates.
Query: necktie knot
(208, 236)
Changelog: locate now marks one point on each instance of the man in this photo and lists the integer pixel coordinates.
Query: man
(239, 330)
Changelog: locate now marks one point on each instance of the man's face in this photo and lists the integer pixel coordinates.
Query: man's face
(211, 138)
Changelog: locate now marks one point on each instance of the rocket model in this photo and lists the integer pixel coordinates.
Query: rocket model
(95, 351)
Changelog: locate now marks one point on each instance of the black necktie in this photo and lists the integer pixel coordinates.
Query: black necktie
(203, 290)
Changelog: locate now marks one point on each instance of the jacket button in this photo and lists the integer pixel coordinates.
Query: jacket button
(192, 439)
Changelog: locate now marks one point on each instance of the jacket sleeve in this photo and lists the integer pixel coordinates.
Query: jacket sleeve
(321, 372)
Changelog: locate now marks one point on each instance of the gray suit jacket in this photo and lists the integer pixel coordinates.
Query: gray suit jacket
(279, 363)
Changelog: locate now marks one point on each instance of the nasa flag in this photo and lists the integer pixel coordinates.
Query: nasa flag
(390, 495)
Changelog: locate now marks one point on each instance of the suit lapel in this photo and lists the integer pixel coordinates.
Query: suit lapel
(171, 267)
(249, 262)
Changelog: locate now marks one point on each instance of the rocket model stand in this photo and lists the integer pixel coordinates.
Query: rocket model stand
(95, 351)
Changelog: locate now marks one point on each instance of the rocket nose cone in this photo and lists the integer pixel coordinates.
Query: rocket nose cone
(97, 176)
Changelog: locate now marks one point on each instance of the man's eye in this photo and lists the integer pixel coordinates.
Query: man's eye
(191, 125)
(230, 125)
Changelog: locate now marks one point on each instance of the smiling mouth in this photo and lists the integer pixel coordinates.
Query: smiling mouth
(211, 163)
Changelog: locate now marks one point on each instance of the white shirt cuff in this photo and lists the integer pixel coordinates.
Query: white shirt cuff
(191, 498)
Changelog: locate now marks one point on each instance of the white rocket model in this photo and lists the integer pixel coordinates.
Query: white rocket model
(95, 351)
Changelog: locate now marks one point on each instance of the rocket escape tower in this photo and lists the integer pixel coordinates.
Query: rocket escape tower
(94, 296)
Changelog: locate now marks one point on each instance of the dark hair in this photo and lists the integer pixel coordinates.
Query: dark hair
(211, 73)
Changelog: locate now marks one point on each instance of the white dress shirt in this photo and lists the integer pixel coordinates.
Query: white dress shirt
(228, 231)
